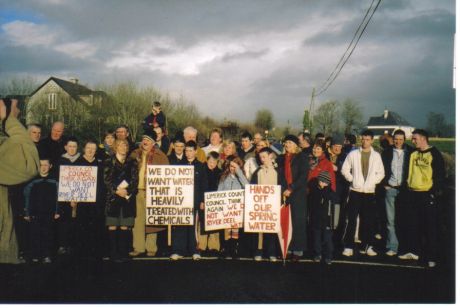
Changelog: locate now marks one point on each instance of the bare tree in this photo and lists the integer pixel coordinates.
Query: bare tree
(352, 115)
(326, 119)
(264, 119)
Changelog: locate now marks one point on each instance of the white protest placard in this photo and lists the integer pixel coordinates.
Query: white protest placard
(223, 209)
(77, 183)
(169, 195)
(262, 208)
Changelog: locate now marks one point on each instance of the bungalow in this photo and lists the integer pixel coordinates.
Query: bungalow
(388, 123)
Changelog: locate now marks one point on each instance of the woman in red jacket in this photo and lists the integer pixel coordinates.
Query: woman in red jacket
(319, 163)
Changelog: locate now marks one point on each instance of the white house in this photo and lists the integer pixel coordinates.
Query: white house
(388, 123)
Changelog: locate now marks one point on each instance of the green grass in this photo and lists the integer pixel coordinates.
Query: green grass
(446, 145)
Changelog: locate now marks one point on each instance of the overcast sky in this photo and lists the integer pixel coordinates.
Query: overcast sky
(232, 58)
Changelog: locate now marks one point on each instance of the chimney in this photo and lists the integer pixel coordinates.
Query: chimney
(74, 80)
(385, 114)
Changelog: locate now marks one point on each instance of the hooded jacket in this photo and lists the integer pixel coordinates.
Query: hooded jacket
(353, 173)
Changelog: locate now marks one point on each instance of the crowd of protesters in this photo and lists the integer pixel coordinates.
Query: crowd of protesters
(344, 197)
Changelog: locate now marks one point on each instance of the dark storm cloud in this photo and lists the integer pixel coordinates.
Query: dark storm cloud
(243, 55)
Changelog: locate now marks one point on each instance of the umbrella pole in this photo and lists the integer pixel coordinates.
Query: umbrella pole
(260, 245)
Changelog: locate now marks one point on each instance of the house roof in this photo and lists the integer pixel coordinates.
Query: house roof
(381, 131)
(73, 89)
(392, 119)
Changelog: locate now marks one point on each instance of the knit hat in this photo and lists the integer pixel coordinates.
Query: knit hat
(292, 138)
(324, 177)
(150, 134)
(337, 139)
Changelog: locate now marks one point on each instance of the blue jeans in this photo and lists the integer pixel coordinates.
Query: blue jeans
(390, 200)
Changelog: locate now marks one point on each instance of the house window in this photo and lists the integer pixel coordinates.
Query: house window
(52, 101)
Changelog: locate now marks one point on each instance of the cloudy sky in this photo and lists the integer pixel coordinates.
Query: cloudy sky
(232, 58)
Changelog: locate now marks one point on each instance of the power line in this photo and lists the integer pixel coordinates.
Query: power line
(343, 60)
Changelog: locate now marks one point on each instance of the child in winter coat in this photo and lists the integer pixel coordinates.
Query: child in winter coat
(322, 200)
(266, 174)
(41, 209)
(232, 179)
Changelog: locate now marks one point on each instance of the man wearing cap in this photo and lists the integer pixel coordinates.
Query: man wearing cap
(147, 154)
(337, 157)
(425, 182)
(363, 168)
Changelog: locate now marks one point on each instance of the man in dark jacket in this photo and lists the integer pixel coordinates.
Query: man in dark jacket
(425, 182)
(396, 164)
(53, 145)
(184, 237)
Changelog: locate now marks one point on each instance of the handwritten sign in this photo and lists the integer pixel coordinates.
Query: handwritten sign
(169, 195)
(262, 208)
(77, 183)
(223, 209)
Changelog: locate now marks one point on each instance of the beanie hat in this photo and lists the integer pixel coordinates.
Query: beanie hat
(292, 138)
(324, 177)
(152, 135)
(337, 139)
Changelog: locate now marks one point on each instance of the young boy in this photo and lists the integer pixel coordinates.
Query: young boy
(322, 199)
(155, 119)
(41, 209)
(266, 174)
(210, 240)
(183, 237)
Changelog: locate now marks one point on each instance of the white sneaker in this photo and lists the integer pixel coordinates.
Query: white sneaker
(273, 259)
(378, 236)
(175, 257)
(391, 253)
(408, 256)
(371, 252)
(196, 257)
(431, 264)
(257, 258)
(347, 252)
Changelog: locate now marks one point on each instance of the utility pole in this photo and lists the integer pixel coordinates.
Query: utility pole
(311, 110)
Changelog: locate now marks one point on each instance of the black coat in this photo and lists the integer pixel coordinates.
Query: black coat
(48, 148)
(298, 198)
(114, 173)
(173, 160)
(322, 203)
(160, 118)
(97, 208)
(40, 196)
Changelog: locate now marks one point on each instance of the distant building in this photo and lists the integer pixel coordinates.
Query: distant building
(388, 123)
(61, 100)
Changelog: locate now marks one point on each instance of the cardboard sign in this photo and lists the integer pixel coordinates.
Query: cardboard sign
(169, 195)
(77, 183)
(262, 208)
(223, 209)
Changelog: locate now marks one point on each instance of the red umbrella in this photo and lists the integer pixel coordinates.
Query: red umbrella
(285, 233)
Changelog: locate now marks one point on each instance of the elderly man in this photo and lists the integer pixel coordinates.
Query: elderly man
(215, 142)
(53, 145)
(190, 134)
(35, 132)
(147, 154)
(18, 163)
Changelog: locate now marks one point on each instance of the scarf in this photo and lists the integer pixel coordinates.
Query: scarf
(287, 168)
(71, 158)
